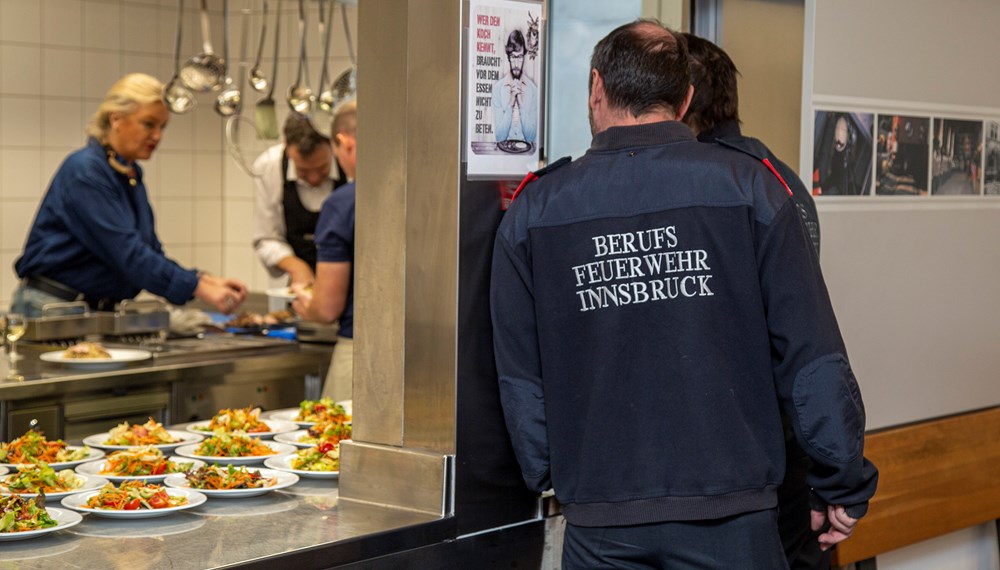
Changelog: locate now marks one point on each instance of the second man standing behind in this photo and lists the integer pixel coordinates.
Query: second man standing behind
(332, 297)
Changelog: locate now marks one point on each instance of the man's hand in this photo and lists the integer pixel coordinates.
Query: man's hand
(841, 525)
(303, 299)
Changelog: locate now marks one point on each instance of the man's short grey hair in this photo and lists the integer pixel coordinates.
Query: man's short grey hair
(345, 120)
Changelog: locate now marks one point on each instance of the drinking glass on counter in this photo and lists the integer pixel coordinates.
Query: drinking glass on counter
(13, 330)
(13, 327)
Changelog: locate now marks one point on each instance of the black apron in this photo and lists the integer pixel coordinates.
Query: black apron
(300, 223)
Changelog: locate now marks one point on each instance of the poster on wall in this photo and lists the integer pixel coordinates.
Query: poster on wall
(903, 152)
(503, 103)
(956, 158)
(842, 153)
(991, 160)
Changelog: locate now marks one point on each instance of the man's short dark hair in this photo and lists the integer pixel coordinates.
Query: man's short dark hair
(644, 67)
(300, 133)
(713, 74)
(515, 43)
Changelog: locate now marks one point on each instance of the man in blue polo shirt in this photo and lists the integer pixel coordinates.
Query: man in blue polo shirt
(332, 296)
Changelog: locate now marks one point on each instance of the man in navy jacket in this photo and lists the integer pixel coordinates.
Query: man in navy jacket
(655, 303)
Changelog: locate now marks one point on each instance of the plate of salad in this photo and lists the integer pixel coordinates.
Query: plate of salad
(21, 517)
(31, 480)
(126, 435)
(139, 463)
(246, 420)
(231, 481)
(310, 412)
(233, 449)
(134, 500)
(318, 462)
(32, 447)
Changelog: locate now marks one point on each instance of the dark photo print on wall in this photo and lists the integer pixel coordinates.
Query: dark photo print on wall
(842, 154)
(903, 152)
(957, 158)
(991, 169)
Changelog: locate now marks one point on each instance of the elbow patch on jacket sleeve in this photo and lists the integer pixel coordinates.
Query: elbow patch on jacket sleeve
(830, 412)
(524, 412)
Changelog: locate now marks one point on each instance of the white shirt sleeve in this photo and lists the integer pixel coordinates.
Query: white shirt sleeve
(269, 214)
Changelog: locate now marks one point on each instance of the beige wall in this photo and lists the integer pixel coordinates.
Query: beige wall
(764, 38)
(58, 58)
(673, 13)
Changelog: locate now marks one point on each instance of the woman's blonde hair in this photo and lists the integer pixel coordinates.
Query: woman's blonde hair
(125, 96)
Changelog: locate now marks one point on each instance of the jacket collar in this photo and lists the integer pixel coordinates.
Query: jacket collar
(729, 129)
(649, 134)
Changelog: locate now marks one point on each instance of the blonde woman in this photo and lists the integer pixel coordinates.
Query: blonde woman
(93, 238)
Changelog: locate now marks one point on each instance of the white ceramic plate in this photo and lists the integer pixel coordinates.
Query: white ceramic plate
(95, 468)
(79, 502)
(285, 479)
(284, 463)
(97, 440)
(64, 518)
(91, 456)
(90, 482)
(279, 449)
(277, 426)
(287, 415)
(281, 293)
(292, 438)
(4, 471)
(119, 357)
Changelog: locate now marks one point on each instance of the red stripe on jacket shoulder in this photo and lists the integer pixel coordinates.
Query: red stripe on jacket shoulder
(774, 171)
(531, 177)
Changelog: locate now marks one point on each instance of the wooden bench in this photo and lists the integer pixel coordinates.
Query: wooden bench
(935, 477)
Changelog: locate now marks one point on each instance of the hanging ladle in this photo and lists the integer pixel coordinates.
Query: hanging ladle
(300, 96)
(257, 79)
(179, 100)
(233, 122)
(228, 101)
(204, 72)
(344, 87)
(322, 112)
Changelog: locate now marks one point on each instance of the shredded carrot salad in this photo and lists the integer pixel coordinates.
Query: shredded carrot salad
(134, 495)
(243, 419)
(32, 447)
(216, 478)
(232, 445)
(149, 433)
(146, 460)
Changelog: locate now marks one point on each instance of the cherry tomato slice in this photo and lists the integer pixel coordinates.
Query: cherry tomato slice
(325, 447)
(132, 505)
(159, 501)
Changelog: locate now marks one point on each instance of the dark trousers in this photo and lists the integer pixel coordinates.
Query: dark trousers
(743, 542)
(800, 542)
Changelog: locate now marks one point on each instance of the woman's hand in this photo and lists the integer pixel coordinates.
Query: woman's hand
(223, 293)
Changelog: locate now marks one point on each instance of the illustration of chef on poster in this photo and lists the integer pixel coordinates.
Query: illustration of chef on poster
(504, 71)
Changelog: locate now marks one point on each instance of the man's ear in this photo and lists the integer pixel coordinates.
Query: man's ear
(596, 89)
(683, 109)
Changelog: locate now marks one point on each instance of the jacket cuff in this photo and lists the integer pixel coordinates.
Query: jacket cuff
(182, 286)
(856, 511)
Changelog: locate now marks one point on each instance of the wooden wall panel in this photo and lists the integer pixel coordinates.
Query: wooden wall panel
(935, 477)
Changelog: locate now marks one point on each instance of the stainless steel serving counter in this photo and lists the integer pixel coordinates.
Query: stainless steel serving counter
(306, 523)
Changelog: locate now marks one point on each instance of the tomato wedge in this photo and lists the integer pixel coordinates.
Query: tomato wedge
(159, 501)
(132, 505)
(159, 469)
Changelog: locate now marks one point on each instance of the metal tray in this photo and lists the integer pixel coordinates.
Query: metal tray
(135, 317)
(55, 326)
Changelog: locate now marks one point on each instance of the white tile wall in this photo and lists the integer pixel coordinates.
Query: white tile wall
(57, 60)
